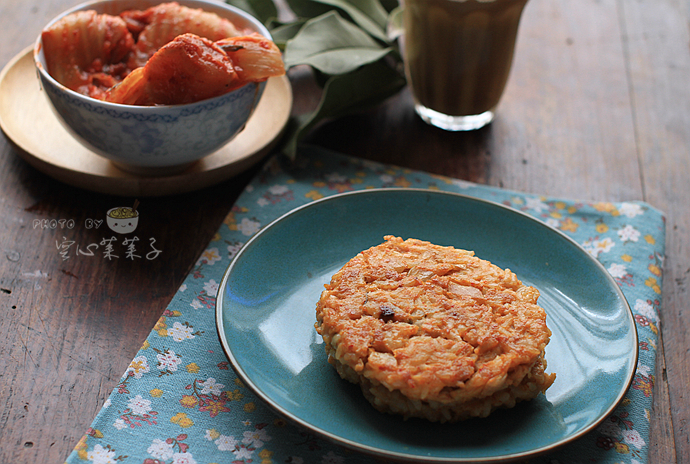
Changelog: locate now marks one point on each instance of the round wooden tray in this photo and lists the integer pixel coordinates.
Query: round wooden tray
(28, 120)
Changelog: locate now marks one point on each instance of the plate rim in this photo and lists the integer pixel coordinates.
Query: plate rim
(377, 452)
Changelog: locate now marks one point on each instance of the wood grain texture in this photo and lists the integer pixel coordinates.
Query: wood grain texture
(658, 47)
(597, 107)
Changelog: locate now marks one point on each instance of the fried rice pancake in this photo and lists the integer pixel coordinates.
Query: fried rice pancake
(434, 332)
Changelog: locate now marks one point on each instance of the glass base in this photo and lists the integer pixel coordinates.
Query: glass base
(454, 123)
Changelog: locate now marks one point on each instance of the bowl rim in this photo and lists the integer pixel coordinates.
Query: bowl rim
(45, 75)
(119, 207)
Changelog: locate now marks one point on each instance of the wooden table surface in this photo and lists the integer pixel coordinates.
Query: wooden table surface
(597, 108)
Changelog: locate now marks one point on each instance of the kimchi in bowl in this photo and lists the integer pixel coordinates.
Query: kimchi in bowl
(155, 139)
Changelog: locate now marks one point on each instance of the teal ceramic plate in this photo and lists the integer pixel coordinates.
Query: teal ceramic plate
(266, 312)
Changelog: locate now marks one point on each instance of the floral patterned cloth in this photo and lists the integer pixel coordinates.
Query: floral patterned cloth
(180, 402)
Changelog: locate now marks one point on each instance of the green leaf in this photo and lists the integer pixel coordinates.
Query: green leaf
(368, 14)
(395, 24)
(332, 45)
(373, 9)
(342, 61)
(263, 10)
(307, 8)
(359, 90)
(281, 34)
(346, 94)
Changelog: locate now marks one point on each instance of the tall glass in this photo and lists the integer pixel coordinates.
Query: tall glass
(458, 55)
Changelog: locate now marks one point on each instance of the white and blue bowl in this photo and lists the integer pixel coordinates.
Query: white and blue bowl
(153, 140)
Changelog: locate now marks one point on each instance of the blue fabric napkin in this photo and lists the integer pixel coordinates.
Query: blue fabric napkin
(179, 401)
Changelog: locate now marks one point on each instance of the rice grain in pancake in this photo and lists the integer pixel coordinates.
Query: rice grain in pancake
(434, 332)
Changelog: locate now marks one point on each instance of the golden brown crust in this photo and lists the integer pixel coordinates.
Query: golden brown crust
(434, 328)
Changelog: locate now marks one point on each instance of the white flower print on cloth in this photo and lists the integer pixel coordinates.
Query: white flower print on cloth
(168, 361)
(536, 204)
(629, 234)
(138, 367)
(275, 194)
(170, 451)
(553, 222)
(234, 248)
(644, 308)
(137, 414)
(336, 178)
(634, 438)
(387, 179)
(630, 209)
(617, 270)
(226, 443)
(136, 370)
(183, 458)
(180, 332)
(278, 189)
(643, 370)
(120, 424)
(248, 226)
(462, 184)
(210, 386)
(161, 449)
(101, 455)
(596, 247)
(255, 438)
(243, 454)
(211, 287)
(603, 246)
(139, 405)
(207, 297)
